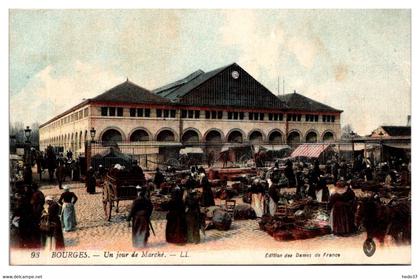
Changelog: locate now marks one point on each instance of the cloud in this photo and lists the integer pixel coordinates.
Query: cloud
(340, 71)
(48, 93)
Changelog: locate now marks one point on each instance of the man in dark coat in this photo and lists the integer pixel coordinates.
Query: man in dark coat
(27, 231)
(176, 225)
(207, 197)
(159, 178)
(288, 172)
(90, 181)
(342, 205)
(300, 183)
(60, 174)
(319, 191)
(75, 166)
(192, 216)
(140, 214)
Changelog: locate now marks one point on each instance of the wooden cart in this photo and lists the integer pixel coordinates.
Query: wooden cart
(117, 189)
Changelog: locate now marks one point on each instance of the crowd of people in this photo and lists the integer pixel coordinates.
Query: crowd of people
(184, 217)
(39, 221)
(310, 181)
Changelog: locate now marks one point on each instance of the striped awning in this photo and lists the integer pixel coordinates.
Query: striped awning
(189, 150)
(309, 150)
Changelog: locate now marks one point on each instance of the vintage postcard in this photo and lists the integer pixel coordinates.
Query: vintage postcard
(210, 137)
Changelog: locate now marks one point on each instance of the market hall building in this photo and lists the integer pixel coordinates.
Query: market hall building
(223, 106)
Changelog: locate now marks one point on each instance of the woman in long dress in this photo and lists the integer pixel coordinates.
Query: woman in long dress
(192, 217)
(68, 214)
(342, 206)
(176, 225)
(90, 181)
(52, 234)
(207, 197)
(257, 198)
(274, 197)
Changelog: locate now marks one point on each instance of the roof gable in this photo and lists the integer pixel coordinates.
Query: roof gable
(296, 101)
(129, 92)
(220, 88)
(395, 131)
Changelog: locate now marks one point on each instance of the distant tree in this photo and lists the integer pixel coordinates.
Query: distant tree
(346, 132)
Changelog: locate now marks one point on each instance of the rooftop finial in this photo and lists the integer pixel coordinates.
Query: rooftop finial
(127, 79)
(294, 91)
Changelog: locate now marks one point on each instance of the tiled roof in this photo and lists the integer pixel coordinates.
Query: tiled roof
(395, 131)
(129, 92)
(219, 88)
(296, 101)
(181, 87)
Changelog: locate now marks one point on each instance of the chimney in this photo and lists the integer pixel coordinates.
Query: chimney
(408, 120)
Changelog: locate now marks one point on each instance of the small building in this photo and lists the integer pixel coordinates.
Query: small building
(391, 131)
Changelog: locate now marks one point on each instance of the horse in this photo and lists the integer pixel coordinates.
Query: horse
(380, 220)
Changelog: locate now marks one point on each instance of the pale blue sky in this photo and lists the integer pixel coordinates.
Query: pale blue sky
(354, 60)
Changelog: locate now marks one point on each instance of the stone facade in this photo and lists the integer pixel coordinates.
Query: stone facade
(117, 116)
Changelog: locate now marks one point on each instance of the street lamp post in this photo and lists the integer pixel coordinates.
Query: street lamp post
(92, 134)
(88, 149)
(381, 144)
(27, 176)
(352, 134)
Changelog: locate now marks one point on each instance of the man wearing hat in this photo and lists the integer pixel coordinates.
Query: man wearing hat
(140, 214)
(68, 214)
(342, 205)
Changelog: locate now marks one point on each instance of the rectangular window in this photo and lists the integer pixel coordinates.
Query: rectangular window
(120, 112)
(132, 112)
(147, 112)
(299, 117)
(197, 114)
(166, 113)
(294, 117)
(190, 114)
(104, 111)
(207, 114)
(250, 116)
(213, 115)
(316, 118)
(139, 112)
(261, 116)
(307, 118)
(235, 115)
(158, 113)
(270, 116)
(183, 113)
(86, 112)
(173, 113)
(281, 116)
(111, 111)
(276, 117)
(80, 114)
(229, 115)
(333, 118)
(220, 114)
(241, 115)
